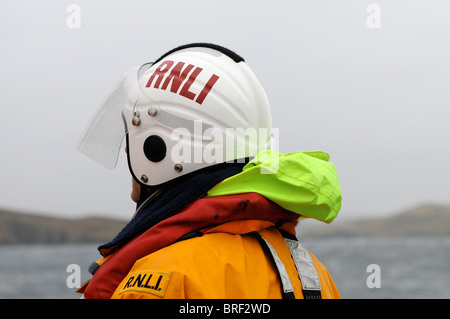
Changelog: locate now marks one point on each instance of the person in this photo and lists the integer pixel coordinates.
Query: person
(216, 204)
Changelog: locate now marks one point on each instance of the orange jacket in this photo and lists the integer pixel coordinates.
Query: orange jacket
(223, 264)
(225, 261)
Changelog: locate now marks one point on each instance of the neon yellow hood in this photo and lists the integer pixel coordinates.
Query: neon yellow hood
(302, 182)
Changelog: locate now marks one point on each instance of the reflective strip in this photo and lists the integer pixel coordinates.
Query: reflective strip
(305, 268)
(288, 290)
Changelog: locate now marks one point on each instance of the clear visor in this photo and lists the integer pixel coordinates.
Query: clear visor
(106, 130)
(104, 134)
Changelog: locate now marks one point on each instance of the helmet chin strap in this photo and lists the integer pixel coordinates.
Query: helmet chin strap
(147, 194)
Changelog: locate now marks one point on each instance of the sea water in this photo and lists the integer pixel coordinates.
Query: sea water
(408, 267)
(405, 267)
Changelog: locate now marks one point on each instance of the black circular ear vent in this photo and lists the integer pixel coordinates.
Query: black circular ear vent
(155, 148)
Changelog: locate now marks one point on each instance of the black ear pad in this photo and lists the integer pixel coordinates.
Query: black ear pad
(155, 148)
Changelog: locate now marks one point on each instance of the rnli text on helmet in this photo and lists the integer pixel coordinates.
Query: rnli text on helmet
(177, 75)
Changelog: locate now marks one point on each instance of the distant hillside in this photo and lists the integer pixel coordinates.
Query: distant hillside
(427, 220)
(18, 228)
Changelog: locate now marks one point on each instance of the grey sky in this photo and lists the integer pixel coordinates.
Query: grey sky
(377, 100)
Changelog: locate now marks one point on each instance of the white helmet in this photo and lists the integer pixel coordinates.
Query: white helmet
(198, 105)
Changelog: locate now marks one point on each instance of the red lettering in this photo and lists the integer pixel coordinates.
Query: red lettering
(159, 72)
(185, 89)
(206, 89)
(177, 77)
